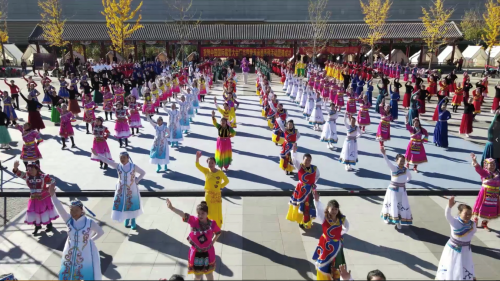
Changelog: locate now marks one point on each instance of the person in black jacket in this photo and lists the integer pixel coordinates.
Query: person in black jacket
(34, 117)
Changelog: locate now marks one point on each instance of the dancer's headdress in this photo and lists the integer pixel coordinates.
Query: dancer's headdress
(78, 203)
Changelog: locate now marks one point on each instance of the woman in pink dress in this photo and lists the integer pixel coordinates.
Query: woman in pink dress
(88, 112)
(100, 146)
(384, 127)
(363, 114)
(108, 103)
(122, 128)
(415, 152)
(202, 237)
(339, 98)
(66, 129)
(40, 208)
(487, 206)
(135, 117)
(351, 102)
(333, 91)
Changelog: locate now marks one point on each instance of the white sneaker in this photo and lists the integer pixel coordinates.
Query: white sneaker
(398, 225)
(467, 135)
(350, 168)
(386, 222)
(346, 168)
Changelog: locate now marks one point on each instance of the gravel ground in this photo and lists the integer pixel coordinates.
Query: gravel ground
(14, 206)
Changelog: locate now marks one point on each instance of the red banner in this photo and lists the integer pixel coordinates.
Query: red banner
(234, 52)
(332, 50)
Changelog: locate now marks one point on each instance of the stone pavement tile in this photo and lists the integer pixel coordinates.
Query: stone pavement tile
(259, 259)
(485, 272)
(234, 272)
(161, 271)
(232, 259)
(279, 272)
(114, 237)
(266, 218)
(260, 210)
(139, 272)
(25, 271)
(291, 236)
(236, 249)
(164, 259)
(53, 260)
(261, 226)
(256, 272)
(48, 273)
(145, 259)
(276, 246)
(230, 218)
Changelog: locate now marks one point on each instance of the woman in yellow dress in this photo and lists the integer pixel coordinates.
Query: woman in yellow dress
(215, 181)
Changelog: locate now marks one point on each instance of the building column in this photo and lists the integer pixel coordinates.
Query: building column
(453, 53)
(167, 48)
(37, 47)
(135, 51)
(84, 53)
(390, 50)
(103, 51)
(144, 50)
(295, 48)
(70, 48)
(421, 54)
(408, 51)
(199, 49)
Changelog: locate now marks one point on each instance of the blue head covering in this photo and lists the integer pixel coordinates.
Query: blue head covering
(78, 203)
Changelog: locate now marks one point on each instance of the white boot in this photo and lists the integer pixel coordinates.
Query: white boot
(467, 135)
(347, 167)
(398, 225)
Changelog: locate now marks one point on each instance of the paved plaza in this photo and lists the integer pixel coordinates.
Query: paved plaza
(257, 242)
(255, 158)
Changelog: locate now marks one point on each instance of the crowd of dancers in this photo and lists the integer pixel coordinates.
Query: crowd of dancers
(134, 99)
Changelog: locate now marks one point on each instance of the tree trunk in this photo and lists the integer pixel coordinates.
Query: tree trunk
(371, 54)
(3, 54)
(486, 66)
(431, 51)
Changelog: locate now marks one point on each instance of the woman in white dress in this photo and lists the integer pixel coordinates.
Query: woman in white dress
(317, 117)
(184, 115)
(456, 261)
(329, 133)
(295, 88)
(175, 129)
(311, 99)
(300, 93)
(159, 152)
(305, 96)
(127, 204)
(80, 258)
(349, 154)
(396, 208)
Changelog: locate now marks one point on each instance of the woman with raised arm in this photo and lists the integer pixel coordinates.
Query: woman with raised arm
(301, 208)
(329, 254)
(396, 208)
(415, 152)
(349, 154)
(384, 127)
(456, 261)
(292, 135)
(487, 206)
(223, 152)
(159, 152)
(441, 129)
(80, 258)
(127, 205)
(215, 181)
(202, 237)
(329, 133)
(184, 116)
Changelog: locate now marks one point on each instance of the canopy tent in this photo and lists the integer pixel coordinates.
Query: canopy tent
(75, 55)
(425, 59)
(494, 55)
(162, 56)
(474, 56)
(110, 55)
(28, 54)
(15, 55)
(377, 55)
(445, 55)
(397, 55)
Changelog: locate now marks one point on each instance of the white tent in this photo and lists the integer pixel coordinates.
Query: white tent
(425, 59)
(397, 55)
(495, 55)
(377, 54)
(474, 56)
(445, 55)
(110, 55)
(28, 54)
(14, 54)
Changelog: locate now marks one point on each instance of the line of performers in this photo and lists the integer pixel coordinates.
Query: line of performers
(304, 203)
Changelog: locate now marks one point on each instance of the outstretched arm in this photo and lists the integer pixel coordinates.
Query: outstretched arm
(111, 163)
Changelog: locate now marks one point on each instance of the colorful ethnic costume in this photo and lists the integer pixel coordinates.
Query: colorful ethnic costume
(441, 129)
(329, 254)
(301, 207)
(349, 154)
(291, 137)
(214, 183)
(174, 127)
(396, 208)
(329, 133)
(201, 258)
(415, 152)
(100, 145)
(456, 260)
(40, 208)
(80, 257)
(224, 152)
(32, 139)
(487, 206)
(159, 152)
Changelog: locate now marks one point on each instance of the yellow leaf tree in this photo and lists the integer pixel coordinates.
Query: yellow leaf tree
(434, 21)
(4, 35)
(318, 17)
(118, 13)
(491, 25)
(376, 13)
(52, 22)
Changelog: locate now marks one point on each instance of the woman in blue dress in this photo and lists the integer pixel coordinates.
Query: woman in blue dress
(441, 129)
(414, 106)
(63, 90)
(175, 129)
(381, 95)
(369, 91)
(394, 102)
(359, 88)
(159, 152)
